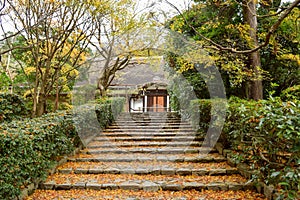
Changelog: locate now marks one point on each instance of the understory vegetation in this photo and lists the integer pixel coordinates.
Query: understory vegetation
(264, 134)
(29, 148)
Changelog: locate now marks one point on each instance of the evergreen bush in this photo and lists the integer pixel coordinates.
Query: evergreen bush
(265, 135)
(29, 148)
(12, 106)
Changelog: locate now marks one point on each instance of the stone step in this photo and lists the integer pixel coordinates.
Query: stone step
(158, 119)
(154, 171)
(110, 143)
(153, 138)
(176, 114)
(129, 150)
(155, 127)
(145, 194)
(142, 157)
(145, 117)
(152, 154)
(153, 120)
(150, 182)
(142, 169)
(149, 123)
(150, 130)
(147, 164)
(149, 115)
(147, 134)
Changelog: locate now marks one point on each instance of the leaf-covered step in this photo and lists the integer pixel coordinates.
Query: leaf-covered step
(110, 143)
(158, 123)
(149, 138)
(144, 195)
(167, 150)
(147, 117)
(163, 126)
(149, 164)
(214, 157)
(147, 134)
(145, 182)
(151, 130)
(159, 168)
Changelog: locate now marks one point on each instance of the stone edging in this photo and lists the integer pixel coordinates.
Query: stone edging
(267, 190)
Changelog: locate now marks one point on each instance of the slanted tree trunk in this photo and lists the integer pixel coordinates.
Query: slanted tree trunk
(256, 87)
(108, 74)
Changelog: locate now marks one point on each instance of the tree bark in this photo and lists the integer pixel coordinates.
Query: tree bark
(108, 74)
(41, 107)
(42, 101)
(250, 16)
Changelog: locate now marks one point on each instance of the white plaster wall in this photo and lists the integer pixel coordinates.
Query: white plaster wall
(137, 105)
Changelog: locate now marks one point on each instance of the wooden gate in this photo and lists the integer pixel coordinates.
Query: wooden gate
(157, 103)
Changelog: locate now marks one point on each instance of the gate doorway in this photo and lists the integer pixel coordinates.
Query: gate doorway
(157, 103)
(152, 97)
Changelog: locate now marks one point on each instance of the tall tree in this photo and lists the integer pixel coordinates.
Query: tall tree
(120, 34)
(234, 32)
(55, 35)
(250, 18)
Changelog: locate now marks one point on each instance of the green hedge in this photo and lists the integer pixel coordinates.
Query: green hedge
(209, 115)
(266, 135)
(108, 109)
(12, 106)
(89, 119)
(29, 148)
(291, 93)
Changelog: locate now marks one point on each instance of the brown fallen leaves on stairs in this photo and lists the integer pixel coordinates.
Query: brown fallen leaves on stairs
(158, 164)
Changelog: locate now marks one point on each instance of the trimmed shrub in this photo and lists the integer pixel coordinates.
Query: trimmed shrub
(90, 119)
(108, 109)
(201, 109)
(265, 135)
(12, 106)
(208, 115)
(30, 148)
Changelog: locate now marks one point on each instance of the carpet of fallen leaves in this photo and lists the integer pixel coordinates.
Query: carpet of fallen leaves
(144, 165)
(143, 195)
(152, 148)
(119, 178)
(137, 143)
(149, 155)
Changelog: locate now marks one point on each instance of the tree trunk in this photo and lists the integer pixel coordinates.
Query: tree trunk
(41, 107)
(102, 84)
(108, 73)
(102, 90)
(56, 103)
(42, 101)
(256, 87)
(35, 94)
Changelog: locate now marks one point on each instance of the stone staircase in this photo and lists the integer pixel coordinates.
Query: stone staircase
(146, 156)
